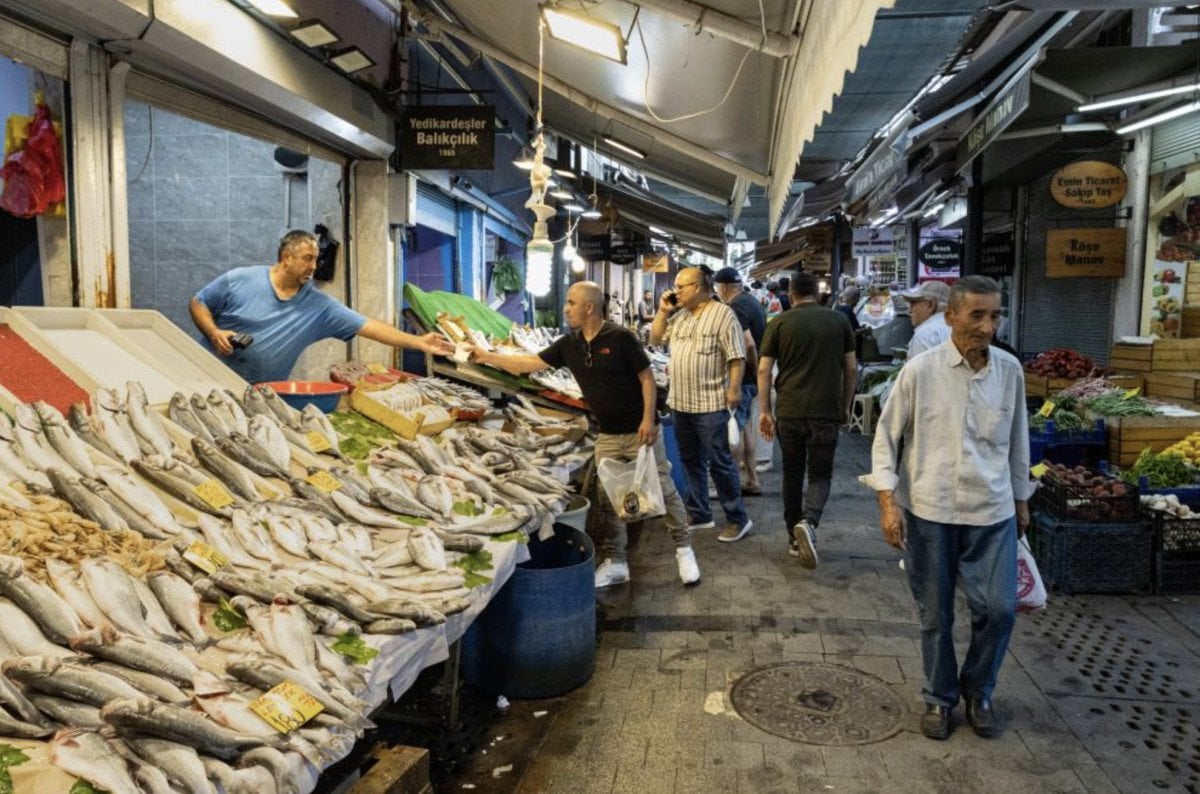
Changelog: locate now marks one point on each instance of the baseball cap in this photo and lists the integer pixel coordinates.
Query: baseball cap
(727, 275)
(936, 291)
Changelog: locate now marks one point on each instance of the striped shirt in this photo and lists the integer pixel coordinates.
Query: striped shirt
(702, 345)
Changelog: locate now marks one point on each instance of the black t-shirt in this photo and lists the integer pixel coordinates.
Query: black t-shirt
(606, 369)
(751, 317)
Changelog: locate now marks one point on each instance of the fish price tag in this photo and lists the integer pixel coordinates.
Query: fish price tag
(286, 707)
(205, 557)
(1046, 409)
(375, 368)
(213, 494)
(324, 481)
(1038, 470)
(316, 441)
(1132, 393)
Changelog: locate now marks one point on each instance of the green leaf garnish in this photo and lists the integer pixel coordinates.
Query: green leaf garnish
(9, 757)
(228, 618)
(353, 648)
(467, 508)
(83, 787)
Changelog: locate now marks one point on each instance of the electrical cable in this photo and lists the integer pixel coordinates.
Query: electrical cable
(646, 84)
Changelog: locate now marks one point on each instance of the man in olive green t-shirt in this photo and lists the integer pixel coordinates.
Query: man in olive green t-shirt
(814, 348)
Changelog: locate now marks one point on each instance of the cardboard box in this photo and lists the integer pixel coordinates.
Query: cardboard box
(406, 426)
(1132, 358)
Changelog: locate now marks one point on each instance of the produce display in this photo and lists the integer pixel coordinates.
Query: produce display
(1063, 419)
(1188, 449)
(1061, 363)
(1118, 403)
(1082, 494)
(1169, 504)
(1160, 469)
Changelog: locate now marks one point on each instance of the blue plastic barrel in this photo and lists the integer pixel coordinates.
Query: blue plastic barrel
(668, 433)
(537, 637)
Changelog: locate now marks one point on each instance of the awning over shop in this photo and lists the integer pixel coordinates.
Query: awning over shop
(810, 248)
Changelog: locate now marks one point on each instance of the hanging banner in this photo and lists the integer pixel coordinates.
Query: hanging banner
(441, 137)
(993, 120)
(873, 241)
(1090, 184)
(941, 256)
(656, 263)
(1073, 253)
(997, 255)
(593, 247)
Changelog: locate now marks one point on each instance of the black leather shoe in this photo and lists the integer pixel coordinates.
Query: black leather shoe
(936, 722)
(982, 718)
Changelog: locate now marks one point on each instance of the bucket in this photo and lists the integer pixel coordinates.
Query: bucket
(537, 637)
(575, 515)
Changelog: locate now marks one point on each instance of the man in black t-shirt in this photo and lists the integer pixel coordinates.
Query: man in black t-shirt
(614, 375)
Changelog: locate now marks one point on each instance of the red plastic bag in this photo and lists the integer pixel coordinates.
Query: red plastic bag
(33, 176)
(45, 144)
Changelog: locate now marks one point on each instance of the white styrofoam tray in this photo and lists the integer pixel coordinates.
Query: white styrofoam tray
(190, 364)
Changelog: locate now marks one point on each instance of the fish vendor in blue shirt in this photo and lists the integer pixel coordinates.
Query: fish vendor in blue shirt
(284, 313)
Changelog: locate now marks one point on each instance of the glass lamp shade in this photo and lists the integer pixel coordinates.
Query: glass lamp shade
(539, 266)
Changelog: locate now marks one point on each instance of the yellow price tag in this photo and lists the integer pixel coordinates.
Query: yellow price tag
(375, 368)
(324, 481)
(286, 707)
(205, 557)
(214, 494)
(1038, 470)
(1047, 409)
(1132, 392)
(316, 441)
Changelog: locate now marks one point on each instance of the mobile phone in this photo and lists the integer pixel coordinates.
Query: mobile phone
(673, 299)
(240, 341)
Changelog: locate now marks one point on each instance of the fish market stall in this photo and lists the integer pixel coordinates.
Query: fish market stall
(230, 585)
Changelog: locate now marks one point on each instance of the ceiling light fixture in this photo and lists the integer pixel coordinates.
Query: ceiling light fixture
(312, 33)
(585, 32)
(574, 206)
(624, 147)
(539, 251)
(562, 194)
(274, 8)
(351, 60)
(524, 159)
(1159, 118)
(1142, 96)
(592, 213)
(658, 231)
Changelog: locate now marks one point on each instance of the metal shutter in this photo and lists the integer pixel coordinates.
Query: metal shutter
(1175, 143)
(436, 210)
(1063, 312)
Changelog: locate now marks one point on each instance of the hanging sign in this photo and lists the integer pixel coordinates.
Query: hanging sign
(993, 120)
(622, 254)
(1085, 252)
(1090, 184)
(941, 255)
(593, 247)
(996, 255)
(870, 241)
(447, 136)
(656, 263)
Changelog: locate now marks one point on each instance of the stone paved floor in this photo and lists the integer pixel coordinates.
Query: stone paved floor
(1099, 693)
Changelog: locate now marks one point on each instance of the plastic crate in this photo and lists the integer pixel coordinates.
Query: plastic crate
(1081, 557)
(1077, 503)
(1175, 535)
(1176, 574)
(1188, 495)
(1069, 447)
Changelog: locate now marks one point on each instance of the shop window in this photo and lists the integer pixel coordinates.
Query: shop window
(204, 200)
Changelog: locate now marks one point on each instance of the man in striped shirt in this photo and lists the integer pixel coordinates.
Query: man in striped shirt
(707, 361)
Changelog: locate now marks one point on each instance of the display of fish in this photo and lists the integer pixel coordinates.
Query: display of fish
(11, 460)
(181, 603)
(115, 593)
(166, 475)
(286, 414)
(88, 755)
(180, 412)
(265, 432)
(247, 453)
(53, 614)
(23, 636)
(87, 503)
(180, 763)
(63, 440)
(230, 410)
(265, 673)
(146, 422)
(63, 679)
(211, 420)
(114, 426)
(35, 448)
(131, 518)
(313, 419)
(228, 471)
(190, 728)
(141, 498)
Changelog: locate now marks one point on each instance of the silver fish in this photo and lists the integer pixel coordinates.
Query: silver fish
(434, 493)
(153, 685)
(23, 636)
(283, 629)
(62, 439)
(282, 772)
(179, 411)
(17, 704)
(217, 534)
(217, 427)
(327, 620)
(319, 529)
(310, 507)
(313, 419)
(456, 542)
(67, 712)
(251, 780)
(113, 590)
(87, 431)
(141, 498)
(62, 679)
(265, 673)
(288, 534)
(156, 617)
(114, 426)
(11, 459)
(427, 549)
(180, 763)
(230, 410)
(169, 480)
(333, 554)
(264, 431)
(260, 587)
(286, 414)
(430, 581)
(31, 440)
(339, 600)
(393, 554)
(368, 515)
(390, 626)
(149, 656)
(185, 726)
(255, 403)
(86, 754)
(145, 420)
(231, 473)
(40, 602)
(245, 452)
(395, 502)
(181, 603)
(356, 538)
(231, 710)
(352, 482)
(131, 518)
(253, 537)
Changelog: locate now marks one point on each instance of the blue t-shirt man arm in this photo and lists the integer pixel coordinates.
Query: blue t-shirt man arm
(285, 313)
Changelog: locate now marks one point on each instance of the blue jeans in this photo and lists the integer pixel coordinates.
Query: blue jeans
(984, 559)
(702, 438)
(746, 406)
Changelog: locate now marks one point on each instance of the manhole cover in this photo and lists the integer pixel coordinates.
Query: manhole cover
(819, 703)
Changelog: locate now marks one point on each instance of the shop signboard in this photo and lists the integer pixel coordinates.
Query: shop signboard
(994, 119)
(1075, 253)
(997, 255)
(872, 241)
(1174, 251)
(656, 263)
(447, 137)
(882, 170)
(622, 253)
(941, 257)
(593, 247)
(1090, 184)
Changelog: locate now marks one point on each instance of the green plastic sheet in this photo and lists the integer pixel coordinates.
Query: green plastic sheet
(478, 316)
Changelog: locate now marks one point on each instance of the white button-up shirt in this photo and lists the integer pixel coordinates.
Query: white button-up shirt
(929, 334)
(953, 443)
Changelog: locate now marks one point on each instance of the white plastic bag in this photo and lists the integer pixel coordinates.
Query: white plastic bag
(633, 487)
(1031, 593)
(731, 427)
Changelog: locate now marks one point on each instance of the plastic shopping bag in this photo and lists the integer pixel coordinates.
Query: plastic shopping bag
(1031, 593)
(731, 428)
(633, 487)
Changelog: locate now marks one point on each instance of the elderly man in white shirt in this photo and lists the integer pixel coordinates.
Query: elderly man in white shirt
(927, 304)
(950, 465)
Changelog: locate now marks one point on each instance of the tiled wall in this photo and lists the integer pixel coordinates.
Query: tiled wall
(203, 201)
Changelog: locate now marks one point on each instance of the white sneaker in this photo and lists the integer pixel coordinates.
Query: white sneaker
(802, 546)
(703, 525)
(610, 573)
(689, 571)
(766, 465)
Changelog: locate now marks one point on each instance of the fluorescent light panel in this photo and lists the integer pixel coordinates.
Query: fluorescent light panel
(562, 193)
(274, 8)
(311, 33)
(351, 60)
(1145, 96)
(594, 35)
(1159, 118)
(574, 206)
(624, 147)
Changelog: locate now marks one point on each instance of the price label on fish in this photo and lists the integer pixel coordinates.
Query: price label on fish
(316, 441)
(213, 494)
(286, 707)
(375, 368)
(324, 481)
(205, 557)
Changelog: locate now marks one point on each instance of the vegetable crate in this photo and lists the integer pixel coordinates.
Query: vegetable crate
(1175, 355)
(1095, 502)
(1173, 385)
(1176, 574)
(1082, 557)
(1129, 435)
(1071, 447)
(1187, 494)
(1134, 358)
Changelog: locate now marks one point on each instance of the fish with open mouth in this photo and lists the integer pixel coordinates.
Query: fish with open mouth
(180, 412)
(145, 420)
(63, 440)
(231, 473)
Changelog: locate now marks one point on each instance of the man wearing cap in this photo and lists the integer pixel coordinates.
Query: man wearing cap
(754, 322)
(927, 303)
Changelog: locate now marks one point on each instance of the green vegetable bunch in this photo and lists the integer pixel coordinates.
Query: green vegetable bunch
(506, 276)
(1063, 420)
(1115, 403)
(1161, 471)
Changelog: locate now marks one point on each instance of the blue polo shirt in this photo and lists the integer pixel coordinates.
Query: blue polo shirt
(243, 300)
